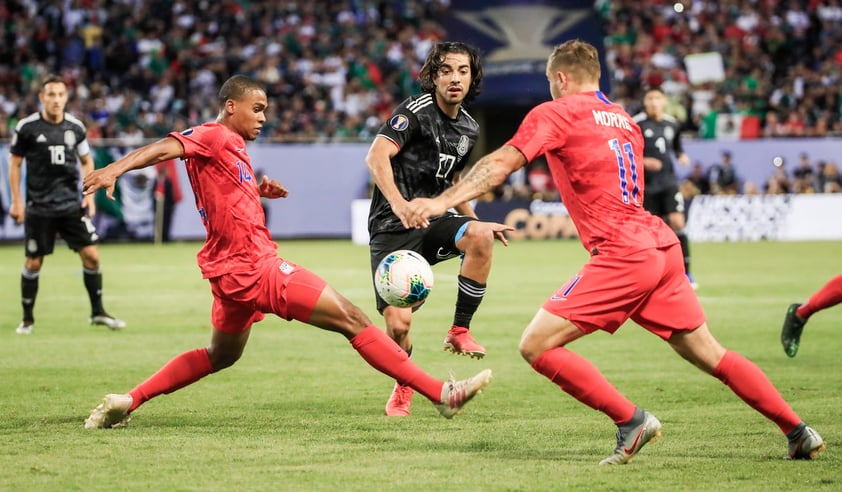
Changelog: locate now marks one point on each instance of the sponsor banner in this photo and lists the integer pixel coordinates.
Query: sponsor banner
(769, 217)
(515, 37)
(534, 219)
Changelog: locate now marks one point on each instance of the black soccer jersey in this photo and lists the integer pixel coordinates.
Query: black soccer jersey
(52, 171)
(433, 149)
(660, 139)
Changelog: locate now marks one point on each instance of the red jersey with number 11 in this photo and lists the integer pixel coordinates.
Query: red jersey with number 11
(227, 199)
(595, 154)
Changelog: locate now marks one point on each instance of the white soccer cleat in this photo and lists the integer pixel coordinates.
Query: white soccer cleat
(455, 394)
(106, 319)
(24, 329)
(112, 412)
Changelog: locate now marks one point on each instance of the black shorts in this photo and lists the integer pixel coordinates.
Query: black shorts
(663, 203)
(435, 243)
(40, 231)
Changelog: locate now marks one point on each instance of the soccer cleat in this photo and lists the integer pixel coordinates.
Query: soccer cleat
(112, 412)
(692, 281)
(106, 319)
(791, 330)
(24, 329)
(455, 394)
(400, 401)
(805, 443)
(460, 342)
(632, 436)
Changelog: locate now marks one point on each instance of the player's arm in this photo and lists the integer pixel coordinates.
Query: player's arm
(106, 177)
(17, 209)
(678, 148)
(379, 162)
(488, 173)
(86, 167)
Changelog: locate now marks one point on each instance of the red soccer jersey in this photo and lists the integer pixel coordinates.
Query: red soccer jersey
(595, 154)
(227, 199)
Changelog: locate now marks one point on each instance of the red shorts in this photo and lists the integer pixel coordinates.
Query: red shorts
(279, 286)
(648, 286)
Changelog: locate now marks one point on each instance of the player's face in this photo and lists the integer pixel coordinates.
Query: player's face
(654, 102)
(53, 97)
(248, 114)
(453, 78)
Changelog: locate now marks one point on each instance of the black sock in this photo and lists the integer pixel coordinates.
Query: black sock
(467, 301)
(28, 292)
(685, 249)
(93, 282)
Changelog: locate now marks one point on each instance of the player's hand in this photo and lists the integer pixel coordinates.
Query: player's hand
(402, 211)
(100, 179)
(500, 231)
(270, 188)
(17, 212)
(419, 211)
(683, 159)
(89, 205)
(652, 164)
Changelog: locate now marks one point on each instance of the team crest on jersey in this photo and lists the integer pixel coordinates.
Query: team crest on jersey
(69, 138)
(462, 146)
(669, 133)
(187, 132)
(399, 122)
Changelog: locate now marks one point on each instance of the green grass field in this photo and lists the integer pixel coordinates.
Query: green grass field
(301, 411)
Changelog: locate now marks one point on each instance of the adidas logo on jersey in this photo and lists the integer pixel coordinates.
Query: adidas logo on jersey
(41, 138)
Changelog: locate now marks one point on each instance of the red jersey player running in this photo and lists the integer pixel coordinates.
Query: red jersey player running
(246, 275)
(636, 269)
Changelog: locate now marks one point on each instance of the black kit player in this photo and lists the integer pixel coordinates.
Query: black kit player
(50, 141)
(662, 137)
(419, 152)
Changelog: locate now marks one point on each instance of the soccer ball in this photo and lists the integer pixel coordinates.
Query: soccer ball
(403, 278)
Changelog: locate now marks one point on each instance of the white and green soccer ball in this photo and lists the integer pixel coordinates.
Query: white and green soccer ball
(403, 278)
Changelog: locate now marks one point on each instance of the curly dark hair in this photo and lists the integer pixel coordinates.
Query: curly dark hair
(434, 62)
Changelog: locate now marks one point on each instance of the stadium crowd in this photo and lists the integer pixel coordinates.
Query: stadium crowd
(334, 69)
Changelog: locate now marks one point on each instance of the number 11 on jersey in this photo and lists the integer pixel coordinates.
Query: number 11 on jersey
(627, 168)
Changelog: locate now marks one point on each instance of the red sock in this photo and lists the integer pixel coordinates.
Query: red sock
(829, 295)
(383, 354)
(583, 381)
(184, 369)
(749, 383)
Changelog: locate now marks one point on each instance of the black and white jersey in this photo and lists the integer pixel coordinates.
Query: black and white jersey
(433, 149)
(52, 168)
(661, 139)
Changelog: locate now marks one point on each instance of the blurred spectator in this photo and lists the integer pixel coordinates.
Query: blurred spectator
(723, 177)
(167, 196)
(830, 181)
(699, 179)
(804, 178)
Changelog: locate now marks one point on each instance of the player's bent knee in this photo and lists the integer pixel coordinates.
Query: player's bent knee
(221, 359)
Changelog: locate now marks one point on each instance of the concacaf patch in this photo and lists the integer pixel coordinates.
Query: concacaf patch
(462, 146)
(399, 122)
(187, 132)
(69, 138)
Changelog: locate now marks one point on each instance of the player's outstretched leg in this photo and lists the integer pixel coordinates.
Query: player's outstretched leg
(455, 394)
(804, 443)
(112, 412)
(632, 436)
(791, 330)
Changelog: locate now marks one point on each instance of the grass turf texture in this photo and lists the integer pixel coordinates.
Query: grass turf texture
(301, 411)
